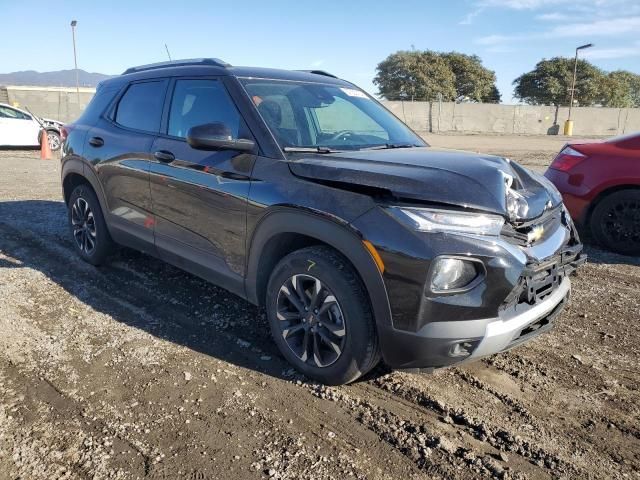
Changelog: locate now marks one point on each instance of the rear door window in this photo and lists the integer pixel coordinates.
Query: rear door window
(140, 107)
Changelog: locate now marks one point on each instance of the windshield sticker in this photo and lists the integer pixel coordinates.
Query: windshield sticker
(352, 92)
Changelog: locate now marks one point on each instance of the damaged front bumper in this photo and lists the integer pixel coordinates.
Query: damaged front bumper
(524, 290)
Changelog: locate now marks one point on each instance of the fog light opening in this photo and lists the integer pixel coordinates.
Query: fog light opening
(461, 349)
(449, 274)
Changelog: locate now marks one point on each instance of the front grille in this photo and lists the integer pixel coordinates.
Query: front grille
(518, 234)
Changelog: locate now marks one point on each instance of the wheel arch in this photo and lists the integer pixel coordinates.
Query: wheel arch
(47, 129)
(75, 172)
(284, 230)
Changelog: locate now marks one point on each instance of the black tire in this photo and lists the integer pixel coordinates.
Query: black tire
(357, 340)
(615, 222)
(87, 226)
(55, 142)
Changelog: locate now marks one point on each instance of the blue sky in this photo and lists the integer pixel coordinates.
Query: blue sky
(347, 38)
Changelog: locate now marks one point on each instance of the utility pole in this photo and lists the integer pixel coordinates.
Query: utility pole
(568, 125)
(75, 59)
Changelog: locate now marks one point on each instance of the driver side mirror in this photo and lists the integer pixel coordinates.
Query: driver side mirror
(217, 136)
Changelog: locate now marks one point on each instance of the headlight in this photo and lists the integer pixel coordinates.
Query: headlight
(517, 206)
(432, 220)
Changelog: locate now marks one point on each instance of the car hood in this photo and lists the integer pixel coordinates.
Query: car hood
(50, 120)
(426, 174)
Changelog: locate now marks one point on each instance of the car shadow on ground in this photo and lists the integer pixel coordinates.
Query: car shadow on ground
(12, 148)
(142, 292)
(599, 256)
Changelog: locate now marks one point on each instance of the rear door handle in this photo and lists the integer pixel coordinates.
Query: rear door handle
(164, 156)
(96, 141)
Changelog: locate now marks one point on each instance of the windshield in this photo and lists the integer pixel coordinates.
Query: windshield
(314, 115)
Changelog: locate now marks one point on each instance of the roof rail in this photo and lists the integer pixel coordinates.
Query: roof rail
(215, 62)
(319, 72)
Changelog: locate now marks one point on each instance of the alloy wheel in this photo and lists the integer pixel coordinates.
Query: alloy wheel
(54, 141)
(84, 226)
(622, 223)
(311, 320)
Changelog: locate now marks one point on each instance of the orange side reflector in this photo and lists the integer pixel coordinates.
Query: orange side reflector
(374, 253)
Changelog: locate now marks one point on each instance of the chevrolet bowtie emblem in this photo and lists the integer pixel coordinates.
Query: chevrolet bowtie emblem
(535, 234)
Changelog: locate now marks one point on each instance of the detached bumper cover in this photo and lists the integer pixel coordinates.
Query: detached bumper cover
(524, 288)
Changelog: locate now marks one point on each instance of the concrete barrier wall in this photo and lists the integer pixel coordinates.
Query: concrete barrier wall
(57, 103)
(513, 119)
(62, 104)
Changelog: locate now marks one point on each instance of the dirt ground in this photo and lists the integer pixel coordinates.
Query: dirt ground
(137, 370)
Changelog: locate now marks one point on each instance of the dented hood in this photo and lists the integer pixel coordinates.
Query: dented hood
(466, 179)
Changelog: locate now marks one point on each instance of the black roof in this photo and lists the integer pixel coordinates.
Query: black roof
(214, 66)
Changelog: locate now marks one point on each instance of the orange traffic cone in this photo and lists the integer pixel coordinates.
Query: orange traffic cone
(45, 150)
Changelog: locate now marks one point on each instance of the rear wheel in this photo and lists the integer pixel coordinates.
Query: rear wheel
(320, 316)
(615, 222)
(91, 238)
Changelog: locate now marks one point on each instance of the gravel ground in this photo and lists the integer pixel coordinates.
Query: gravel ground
(139, 370)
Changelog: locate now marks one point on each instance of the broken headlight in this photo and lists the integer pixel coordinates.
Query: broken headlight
(516, 204)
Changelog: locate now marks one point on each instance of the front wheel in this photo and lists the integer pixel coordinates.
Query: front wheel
(615, 222)
(54, 140)
(320, 316)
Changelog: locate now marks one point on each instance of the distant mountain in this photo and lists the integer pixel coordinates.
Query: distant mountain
(60, 78)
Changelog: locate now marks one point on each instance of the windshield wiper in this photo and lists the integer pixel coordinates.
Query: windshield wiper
(390, 145)
(308, 150)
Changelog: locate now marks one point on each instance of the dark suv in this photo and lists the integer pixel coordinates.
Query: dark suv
(298, 191)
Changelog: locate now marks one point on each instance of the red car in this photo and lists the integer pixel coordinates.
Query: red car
(600, 184)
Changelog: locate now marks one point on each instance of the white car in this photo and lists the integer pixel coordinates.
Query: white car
(20, 129)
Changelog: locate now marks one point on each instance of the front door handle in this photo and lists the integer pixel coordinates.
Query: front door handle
(164, 156)
(96, 141)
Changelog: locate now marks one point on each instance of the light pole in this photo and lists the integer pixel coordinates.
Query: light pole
(75, 58)
(568, 125)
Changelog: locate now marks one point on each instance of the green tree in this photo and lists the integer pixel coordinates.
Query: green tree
(473, 81)
(549, 83)
(494, 95)
(415, 75)
(620, 89)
